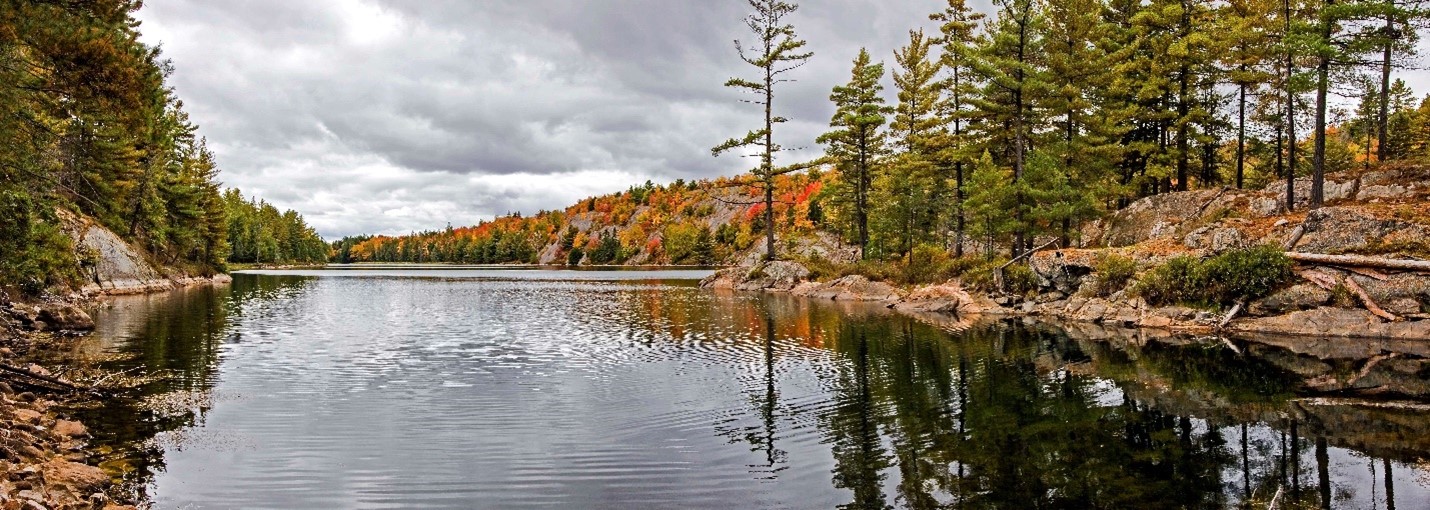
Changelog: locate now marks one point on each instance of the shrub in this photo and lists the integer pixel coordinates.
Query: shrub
(1111, 274)
(1019, 279)
(1244, 274)
(574, 257)
(983, 275)
(1170, 282)
(1221, 280)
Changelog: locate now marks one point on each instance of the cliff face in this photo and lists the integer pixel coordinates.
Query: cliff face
(112, 266)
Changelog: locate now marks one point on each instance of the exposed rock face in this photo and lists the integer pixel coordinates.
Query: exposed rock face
(1345, 229)
(779, 276)
(1335, 190)
(1217, 239)
(112, 266)
(1163, 215)
(1327, 321)
(1064, 270)
(110, 263)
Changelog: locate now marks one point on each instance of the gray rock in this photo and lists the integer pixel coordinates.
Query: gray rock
(1298, 297)
(63, 316)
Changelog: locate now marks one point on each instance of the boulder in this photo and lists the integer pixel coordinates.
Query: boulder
(64, 316)
(1298, 297)
(946, 298)
(78, 478)
(70, 429)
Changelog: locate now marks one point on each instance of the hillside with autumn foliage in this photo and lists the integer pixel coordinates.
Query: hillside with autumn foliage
(681, 223)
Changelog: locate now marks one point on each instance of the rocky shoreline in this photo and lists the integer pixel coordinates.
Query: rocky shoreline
(1378, 215)
(45, 458)
(1277, 316)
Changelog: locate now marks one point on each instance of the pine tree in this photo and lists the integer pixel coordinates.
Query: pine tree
(1013, 81)
(1083, 141)
(856, 141)
(958, 41)
(776, 52)
(1246, 27)
(909, 192)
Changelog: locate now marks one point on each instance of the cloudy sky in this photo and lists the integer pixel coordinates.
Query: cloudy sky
(388, 116)
(392, 116)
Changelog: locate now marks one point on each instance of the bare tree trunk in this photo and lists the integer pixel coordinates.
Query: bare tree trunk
(1241, 137)
(769, 163)
(1323, 79)
(1381, 153)
(1290, 116)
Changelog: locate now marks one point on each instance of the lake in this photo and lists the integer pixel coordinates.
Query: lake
(498, 388)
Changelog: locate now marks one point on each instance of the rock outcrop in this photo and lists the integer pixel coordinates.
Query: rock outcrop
(112, 266)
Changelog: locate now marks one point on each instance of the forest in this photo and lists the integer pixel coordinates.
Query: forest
(91, 125)
(1004, 129)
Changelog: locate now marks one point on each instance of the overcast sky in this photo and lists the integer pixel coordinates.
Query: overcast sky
(392, 116)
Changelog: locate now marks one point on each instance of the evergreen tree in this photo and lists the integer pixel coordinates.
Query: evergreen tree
(958, 41)
(856, 143)
(776, 52)
(1013, 82)
(909, 192)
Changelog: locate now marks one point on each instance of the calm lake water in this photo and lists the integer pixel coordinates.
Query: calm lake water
(486, 388)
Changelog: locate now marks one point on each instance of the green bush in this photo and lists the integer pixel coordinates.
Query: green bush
(1111, 274)
(1019, 279)
(1245, 274)
(983, 275)
(1170, 282)
(574, 256)
(1221, 280)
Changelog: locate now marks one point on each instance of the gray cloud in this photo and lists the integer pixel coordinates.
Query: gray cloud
(389, 116)
(392, 116)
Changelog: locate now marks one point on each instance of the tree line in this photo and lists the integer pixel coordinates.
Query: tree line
(1017, 125)
(90, 125)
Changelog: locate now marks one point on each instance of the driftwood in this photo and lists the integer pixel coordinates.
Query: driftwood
(17, 371)
(1295, 238)
(1369, 273)
(1231, 314)
(1321, 280)
(1419, 266)
(1369, 303)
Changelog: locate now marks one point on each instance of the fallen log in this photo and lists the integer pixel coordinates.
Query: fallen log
(1321, 280)
(1295, 238)
(1368, 302)
(1419, 266)
(38, 377)
(1232, 315)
